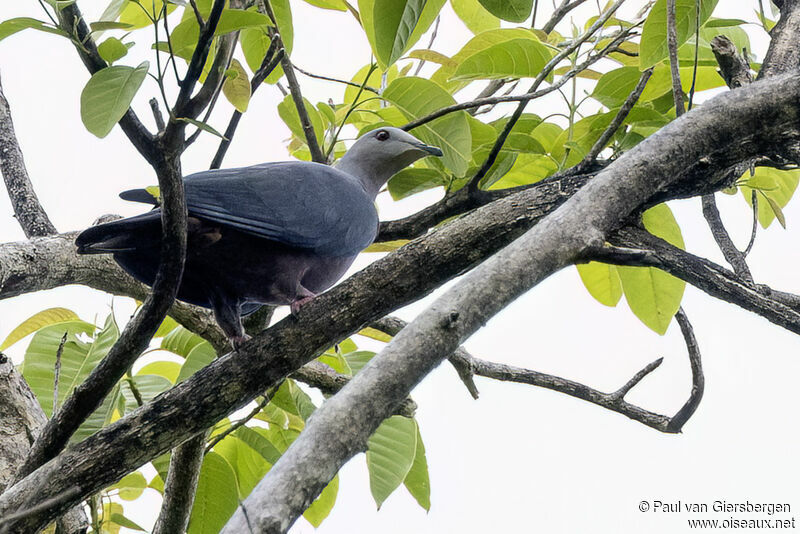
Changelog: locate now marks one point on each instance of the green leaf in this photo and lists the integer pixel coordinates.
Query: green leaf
(291, 398)
(516, 58)
(108, 95)
(322, 505)
(201, 355)
(414, 180)
(336, 5)
(131, 486)
(139, 16)
(653, 47)
(602, 281)
(259, 442)
(249, 465)
(390, 455)
(112, 49)
(393, 26)
(12, 26)
(123, 521)
(168, 324)
(474, 15)
(775, 189)
(38, 321)
(168, 370)
(288, 113)
(216, 496)
(148, 387)
(181, 341)
(510, 10)
(358, 359)
(255, 41)
(417, 480)
(653, 295)
(232, 20)
(237, 87)
(417, 97)
(202, 125)
(104, 25)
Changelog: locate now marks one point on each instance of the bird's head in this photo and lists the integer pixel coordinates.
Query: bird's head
(380, 153)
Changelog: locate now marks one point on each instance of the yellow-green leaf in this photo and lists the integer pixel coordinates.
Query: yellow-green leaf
(390, 455)
(108, 95)
(38, 321)
(602, 282)
(237, 86)
(516, 58)
(474, 15)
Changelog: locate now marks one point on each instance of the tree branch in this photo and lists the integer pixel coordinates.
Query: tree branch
(698, 381)
(29, 212)
(733, 255)
(735, 69)
(180, 486)
(674, 66)
(560, 12)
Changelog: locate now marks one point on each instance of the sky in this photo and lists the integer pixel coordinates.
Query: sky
(519, 459)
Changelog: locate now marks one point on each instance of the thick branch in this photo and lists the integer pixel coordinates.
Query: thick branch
(658, 166)
(783, 54)
(735, 69)
(29, 212)
(582, 223)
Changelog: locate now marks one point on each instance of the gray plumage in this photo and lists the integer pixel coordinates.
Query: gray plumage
(274, 233)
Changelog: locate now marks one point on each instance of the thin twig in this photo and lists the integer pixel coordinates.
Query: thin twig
(337, 80)
(754, 201)
(627, 106)
(243, 421)
(57, 372)
(474, 182)
(44, 505)
(733, 256)
(672, 46)
(698, 381)
(317, 154)
(696, 53)
(159, 118)
(560, 12)
(430, 44)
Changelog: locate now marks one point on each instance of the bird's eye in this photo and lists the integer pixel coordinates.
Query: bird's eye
(383, 135)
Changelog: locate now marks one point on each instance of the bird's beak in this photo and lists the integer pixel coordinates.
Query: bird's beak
(432, 150)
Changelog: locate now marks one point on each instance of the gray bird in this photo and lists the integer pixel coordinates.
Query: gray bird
(275, 233)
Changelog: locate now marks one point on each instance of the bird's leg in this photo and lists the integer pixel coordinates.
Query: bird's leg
(302, 297)
(228, 316)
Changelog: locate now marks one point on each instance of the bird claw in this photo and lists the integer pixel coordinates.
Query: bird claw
(299, 303)
(238, 341)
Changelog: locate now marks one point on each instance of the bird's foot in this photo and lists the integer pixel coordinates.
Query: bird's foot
(238, 341)
(299, 303)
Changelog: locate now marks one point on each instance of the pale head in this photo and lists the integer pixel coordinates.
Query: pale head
(380, 153)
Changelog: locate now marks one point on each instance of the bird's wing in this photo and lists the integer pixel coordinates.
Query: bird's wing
(306, 205)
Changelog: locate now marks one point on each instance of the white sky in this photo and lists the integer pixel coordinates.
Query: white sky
(519, 459)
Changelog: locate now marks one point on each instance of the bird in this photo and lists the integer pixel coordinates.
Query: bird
(276, 233)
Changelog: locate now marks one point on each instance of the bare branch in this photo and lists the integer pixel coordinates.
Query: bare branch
(732, 255)
(29, 212)
(698, 381)
(180, 486)
(561, 11)
(754, 202)
(329, 79)
(735, 69)
(159, 118)
(674, 67)
(619, 118)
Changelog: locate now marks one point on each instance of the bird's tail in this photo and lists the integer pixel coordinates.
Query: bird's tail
(142, 231)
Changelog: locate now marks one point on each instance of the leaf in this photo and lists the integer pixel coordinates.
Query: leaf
(288, 113)
(12, 26)
(775, 186)
(38, 321)
(602, 281)
(291, 398)
(237, 87)
(653, 295)
(417, 97)
(433, 56)
(390, 454)
(202, 125)
(516, 58)
(653, 46)
(181, 341)
(139, 16)
(474, 15)
(108, 95)
(259, 442)
(393, 26)
(249, 466)
(336, 5)
(131, 486)
(148, 387)
(112, 49)
(104, 25)
(358, 359)
(322, 505)
(375, 334)
(201, 355)
(123, 521)
(255, 41)
(168, 324)
(417, 480)
(410, 181)
(216, 496)
(510, 10)
(165, 369)
(386, 246)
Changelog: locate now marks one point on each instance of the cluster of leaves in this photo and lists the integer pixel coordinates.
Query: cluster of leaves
(239, 453)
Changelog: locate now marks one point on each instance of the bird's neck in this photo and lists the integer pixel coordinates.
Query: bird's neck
(371, 176)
